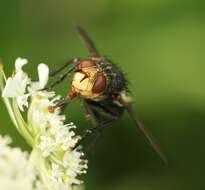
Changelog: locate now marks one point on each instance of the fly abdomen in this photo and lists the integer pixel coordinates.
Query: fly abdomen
(105, 111)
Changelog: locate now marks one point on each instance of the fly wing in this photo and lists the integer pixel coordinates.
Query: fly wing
(87, 41)
(143, 129)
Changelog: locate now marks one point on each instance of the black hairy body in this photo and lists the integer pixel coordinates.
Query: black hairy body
(117, 81)
(108, 110)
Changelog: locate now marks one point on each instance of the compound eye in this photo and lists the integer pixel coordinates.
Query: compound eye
(100, 84)
(85, 63)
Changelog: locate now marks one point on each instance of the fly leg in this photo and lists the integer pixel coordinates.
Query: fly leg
(64, 102)
(59, 68)
(85, 135)
(94, 122)
(97, 129)
(92, 145)
(70, 65)
(61, 79)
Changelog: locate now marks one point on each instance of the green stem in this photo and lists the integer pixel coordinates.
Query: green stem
(22, 124)
(14, 112)
(6, 100)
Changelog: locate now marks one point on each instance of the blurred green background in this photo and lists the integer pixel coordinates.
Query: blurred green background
(159, 44)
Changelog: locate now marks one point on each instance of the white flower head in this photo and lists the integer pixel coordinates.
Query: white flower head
(52, 141)
(16, 170)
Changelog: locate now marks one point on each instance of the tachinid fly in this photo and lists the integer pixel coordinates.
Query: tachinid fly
(103, 89)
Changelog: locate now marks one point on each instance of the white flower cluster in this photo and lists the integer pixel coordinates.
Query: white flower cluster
(55, 141)
(57, 165)
(16, 171)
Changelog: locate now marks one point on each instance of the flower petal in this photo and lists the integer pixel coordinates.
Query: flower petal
(43, 74)
(22, 101)
(16, 86)
(19, 63)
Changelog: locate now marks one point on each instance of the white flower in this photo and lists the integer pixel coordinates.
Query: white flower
(16, 170)
(16, 85)
(46, 145)
(56, 164)
(55, 140)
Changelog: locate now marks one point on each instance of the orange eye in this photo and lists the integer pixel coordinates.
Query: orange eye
(100, 84)
(85, 63)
